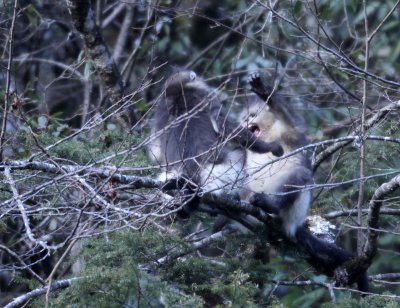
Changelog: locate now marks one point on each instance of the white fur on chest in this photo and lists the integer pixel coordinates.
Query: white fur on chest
(268, 179)
(225, 177)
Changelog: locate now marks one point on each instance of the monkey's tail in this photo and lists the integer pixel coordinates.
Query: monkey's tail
(326, 257)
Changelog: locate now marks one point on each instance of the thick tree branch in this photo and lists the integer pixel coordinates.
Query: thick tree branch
(375, 205)
(20, 300)
(103, 173)
(84, 21)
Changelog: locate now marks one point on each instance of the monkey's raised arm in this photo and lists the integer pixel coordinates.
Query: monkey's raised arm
(275, 101)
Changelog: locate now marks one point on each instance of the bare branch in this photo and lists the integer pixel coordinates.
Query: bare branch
(371, 36)
(194, 246)
(374, 120)
(361, 192)
(375, 205)
(346, 213)
(60, 284)
(28, 268)
(123, 33)
(338, 54)
(8, 81)
(84, 21)
(21, 208)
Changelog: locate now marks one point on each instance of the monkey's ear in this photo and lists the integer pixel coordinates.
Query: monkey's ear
(176, 83)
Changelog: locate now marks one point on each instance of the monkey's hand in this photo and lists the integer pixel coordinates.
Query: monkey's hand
(264, 202)
(276, 148)
(259, 87)
(259, 146)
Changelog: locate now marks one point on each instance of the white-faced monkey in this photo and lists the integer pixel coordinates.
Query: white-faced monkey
(197, 145)
(283, 187)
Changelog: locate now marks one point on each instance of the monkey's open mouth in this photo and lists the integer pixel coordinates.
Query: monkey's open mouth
(255, 129)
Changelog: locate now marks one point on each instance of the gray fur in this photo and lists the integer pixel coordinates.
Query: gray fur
(189, 143)
(277, 187)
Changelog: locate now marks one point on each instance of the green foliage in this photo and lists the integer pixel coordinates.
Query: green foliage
(373, 301)
(113, 278)
(238, 289)
(190, 271)
(113, 275)
(87, 148)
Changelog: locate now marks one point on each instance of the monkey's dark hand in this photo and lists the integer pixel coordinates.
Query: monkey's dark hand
(257, 145)
(276, 148)
(259, 87)
(264, 202)
(179, 183)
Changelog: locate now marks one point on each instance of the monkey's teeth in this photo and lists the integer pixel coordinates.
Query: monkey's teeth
(255, 129)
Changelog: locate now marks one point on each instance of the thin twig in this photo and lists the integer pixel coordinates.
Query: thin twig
(371, 122)
(339, 55)
(336, 214)
(21, 208)
(361, 185)
(371, 36)
(8, 79)
(15, 256)
(50, 277)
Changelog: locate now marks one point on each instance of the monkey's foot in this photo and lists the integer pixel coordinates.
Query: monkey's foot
(179, 183)
(263, 201)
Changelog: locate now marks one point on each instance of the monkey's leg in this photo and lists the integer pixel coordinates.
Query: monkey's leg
(272, 204)
(189, 190)
(285, 197)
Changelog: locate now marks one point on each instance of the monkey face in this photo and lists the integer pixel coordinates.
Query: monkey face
(262, 122)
